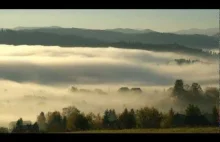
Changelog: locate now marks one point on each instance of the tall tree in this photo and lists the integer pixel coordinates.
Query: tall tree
(70, 110)
(71, 114)
(64, 123)
(127, 119)
(91, 117)
(123, 119)
(106, 119)
(133, 118)
(55, 122)
(81, 122)
(194, 116)
(41, 121)
(196, 89)
(168, 120)
(215, 116)
(148, 118)
(98, 122)
(178, 87)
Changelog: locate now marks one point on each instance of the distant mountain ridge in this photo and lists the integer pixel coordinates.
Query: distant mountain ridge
(68, 37)
(31, 28)
(209, 31)
(131, 31)
(192, 31)
(12, 37)
(148, 37)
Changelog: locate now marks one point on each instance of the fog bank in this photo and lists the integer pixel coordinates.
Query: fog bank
(38, 78)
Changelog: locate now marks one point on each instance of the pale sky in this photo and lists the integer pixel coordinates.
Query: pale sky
(159, 20)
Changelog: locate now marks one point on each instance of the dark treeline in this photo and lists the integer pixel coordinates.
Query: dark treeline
(194, 94)
(72, 119)
(189, 61)
(185, 61)
(182, 61)
(149, 37)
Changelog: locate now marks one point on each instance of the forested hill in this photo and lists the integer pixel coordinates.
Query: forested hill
(47, 39)
(50, 39)
(150, 37)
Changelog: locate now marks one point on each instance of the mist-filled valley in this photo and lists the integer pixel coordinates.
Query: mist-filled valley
(39, 78)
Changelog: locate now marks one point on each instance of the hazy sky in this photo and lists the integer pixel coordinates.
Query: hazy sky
(160, 20)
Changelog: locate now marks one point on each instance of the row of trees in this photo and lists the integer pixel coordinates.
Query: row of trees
(71, 119)
(180, 88)
(185, 61)
(194, 94)
(184, 94)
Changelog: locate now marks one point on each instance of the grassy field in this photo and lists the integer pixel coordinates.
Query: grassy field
(165, 130)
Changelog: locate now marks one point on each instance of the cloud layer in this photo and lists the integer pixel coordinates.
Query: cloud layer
(55, 65)
(38, 71)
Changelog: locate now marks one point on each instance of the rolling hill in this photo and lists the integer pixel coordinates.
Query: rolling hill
(130, 31)
(198, 41)
(12, 37)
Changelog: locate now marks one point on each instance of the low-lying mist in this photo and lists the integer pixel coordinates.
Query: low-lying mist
(38, 78)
